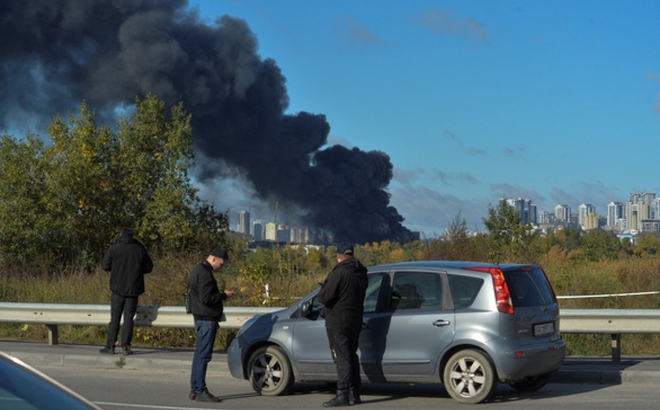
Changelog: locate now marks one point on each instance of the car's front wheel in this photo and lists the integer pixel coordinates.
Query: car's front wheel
(469, 377)
(270, 371)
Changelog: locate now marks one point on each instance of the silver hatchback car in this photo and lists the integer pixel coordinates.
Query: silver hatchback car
(467, 325)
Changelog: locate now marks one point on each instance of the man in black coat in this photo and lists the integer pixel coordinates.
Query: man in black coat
(127, 260)
(342, 295)
(206, 306)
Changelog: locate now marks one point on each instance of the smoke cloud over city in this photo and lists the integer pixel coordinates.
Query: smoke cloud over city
(56, 54)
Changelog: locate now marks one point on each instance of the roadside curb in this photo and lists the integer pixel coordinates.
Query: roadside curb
(584, 370)
(147, 358)
(598, 370)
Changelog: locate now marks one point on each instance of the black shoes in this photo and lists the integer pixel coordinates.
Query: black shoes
(340, 400)
(107, 350)
(354, 395)
(126, 350)
(204, 396)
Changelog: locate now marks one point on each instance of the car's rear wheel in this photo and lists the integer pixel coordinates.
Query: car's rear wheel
(532, 383)
(469, 377)
(270, 371)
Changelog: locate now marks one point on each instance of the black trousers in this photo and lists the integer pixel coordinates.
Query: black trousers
(344, 353)
(126, 305)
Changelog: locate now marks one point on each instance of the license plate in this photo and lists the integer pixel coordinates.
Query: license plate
(544, 329)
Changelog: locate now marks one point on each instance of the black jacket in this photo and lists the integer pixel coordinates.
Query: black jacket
(342, 294)
(127, 261)
(205, 297)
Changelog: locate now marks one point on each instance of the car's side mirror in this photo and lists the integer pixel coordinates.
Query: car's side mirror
(306, 309)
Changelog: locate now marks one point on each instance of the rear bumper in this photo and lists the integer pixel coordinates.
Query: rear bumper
(533, 360)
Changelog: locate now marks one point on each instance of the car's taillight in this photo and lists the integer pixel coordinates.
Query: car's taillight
(502, 294)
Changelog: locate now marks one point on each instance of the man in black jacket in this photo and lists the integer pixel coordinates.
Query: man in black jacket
(127, 261)
(206, 305)
(342, 295)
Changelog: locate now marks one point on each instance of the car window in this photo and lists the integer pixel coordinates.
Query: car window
(377, 283)
(464, 289)
(315, 309)
(528, 287)
(416, 290)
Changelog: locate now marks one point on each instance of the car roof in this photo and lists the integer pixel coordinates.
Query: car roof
(431, 264)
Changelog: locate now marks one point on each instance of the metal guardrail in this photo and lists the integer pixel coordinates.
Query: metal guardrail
(52, 315)
(614, 322)
(610, 321)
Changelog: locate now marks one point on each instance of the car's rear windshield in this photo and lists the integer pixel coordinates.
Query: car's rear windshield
(529, 287)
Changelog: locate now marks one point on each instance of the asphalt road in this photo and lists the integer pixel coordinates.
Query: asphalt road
(120, 389)
(156, 378)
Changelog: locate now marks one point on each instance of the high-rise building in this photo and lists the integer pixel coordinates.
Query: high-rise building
(525, 208)
(257, 229)
(283, 233)
(243, 222)
(271, 231)
(563, 214)
(614, 213)
(638, 209)
(655, 209)
(300, 234)
(591, 222)
(546, 218)
(583, 212)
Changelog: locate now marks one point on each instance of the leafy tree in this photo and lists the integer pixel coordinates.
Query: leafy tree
(69, 199)
(81, 184)
(599, 245)
(28, 225)
(647, 245)
(567, 240)
(152, 163)
(459, 245)
(509, 238)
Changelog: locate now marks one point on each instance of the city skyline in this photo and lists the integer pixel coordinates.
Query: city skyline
(476, 100)
(586, 217)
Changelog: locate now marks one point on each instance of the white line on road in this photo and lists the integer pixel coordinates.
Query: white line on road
(146, 406)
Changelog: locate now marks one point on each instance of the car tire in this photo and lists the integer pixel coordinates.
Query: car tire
(270, 371)
(532, 383)
(469, 377)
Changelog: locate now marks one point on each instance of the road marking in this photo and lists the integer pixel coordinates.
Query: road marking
(146, 406)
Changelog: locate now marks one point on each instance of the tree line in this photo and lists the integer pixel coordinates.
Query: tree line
(65, 197)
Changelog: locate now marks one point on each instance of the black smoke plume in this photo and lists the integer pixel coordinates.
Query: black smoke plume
(54, 54)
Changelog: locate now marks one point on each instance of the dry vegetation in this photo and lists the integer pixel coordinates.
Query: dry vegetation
(292, 273)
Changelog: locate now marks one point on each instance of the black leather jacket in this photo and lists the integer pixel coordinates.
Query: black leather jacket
(205, 297)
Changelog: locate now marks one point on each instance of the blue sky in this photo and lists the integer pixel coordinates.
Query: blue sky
(554, 101)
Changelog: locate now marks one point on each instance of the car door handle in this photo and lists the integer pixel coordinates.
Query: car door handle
(441, 323)
(366, 325)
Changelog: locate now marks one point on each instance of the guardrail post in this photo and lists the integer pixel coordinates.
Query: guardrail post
(52, 334)
(616, 348)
